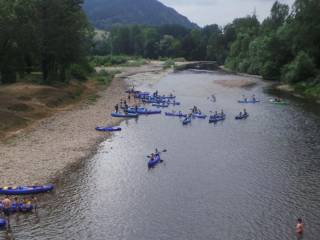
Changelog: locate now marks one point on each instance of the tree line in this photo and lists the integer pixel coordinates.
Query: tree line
(54, 37)
(284, 46)
(42, 35)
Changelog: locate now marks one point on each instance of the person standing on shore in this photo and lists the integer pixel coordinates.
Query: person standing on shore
(299, 229)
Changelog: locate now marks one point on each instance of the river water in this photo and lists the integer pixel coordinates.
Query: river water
(236, 180)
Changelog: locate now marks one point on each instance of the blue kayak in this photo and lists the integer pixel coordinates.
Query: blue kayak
(160, 105)
(214, 119)
(153, 162)
(19, 207)
(186, 121)
(124, 115)
(248, 101)
(244, 116)
(143, 111)
(3, 223)
(176, 114)
(199, 115)
(108, 129)
(168, 97)
(174, 103)
(26, 190)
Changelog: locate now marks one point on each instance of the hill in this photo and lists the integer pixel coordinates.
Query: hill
(103, 14)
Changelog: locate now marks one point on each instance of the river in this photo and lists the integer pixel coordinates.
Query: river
(235, 180)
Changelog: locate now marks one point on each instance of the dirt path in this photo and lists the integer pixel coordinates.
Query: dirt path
(64, 139)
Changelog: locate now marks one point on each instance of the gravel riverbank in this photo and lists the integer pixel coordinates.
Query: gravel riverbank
(51, 145)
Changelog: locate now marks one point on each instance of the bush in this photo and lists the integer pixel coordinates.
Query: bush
(78, 72)
(243, 66)
(108, 60)
(168, 64)
(302, 68)
(270, 71)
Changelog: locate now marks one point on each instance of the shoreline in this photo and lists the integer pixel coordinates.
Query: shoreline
(279, 86)
(42, 153)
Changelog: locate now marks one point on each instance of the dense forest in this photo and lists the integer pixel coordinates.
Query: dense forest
(48, 36)
(54, 37)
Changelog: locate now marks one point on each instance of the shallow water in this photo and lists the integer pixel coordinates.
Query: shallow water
(234, 180)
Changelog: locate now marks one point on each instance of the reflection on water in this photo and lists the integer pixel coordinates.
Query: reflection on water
(233, 180)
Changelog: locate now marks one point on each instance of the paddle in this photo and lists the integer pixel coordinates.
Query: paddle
(163, 151)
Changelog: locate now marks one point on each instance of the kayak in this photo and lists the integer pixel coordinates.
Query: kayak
(160, 105)
(20, 190)
(168, 97)
(248, 101)
(176, 114)
(143, 111)
(123, 115)
(3, 223)
(278, 102)
(108, 129)
(16, 207)
(214, 119)
(174, 103)
(242, 117)
(153, 101)
(153, 162)
(199, 115)
(186, 121)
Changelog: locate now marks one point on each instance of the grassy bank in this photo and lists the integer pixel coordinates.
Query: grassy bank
(27, 101)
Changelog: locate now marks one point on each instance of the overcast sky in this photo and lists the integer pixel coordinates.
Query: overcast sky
(205, 12)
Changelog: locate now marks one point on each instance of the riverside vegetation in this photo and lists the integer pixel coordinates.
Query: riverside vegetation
(283, 47)
(53, 37)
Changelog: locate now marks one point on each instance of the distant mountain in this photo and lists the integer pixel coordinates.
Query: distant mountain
(104, 14)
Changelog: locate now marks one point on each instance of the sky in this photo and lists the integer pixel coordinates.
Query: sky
(222, 12)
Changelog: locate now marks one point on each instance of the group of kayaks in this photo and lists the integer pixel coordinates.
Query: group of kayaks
(22, 190)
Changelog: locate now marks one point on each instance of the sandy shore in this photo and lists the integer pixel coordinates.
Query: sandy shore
(51, 145)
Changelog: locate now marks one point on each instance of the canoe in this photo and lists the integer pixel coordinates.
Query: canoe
(176, 114)
(160, 105)
(3, 223)
(186, 121)
(214, 119)
(20, 190)
(242, 117)
(108, 129)
(155, 161)
(248, 101)
(123, 115)
(199, 115)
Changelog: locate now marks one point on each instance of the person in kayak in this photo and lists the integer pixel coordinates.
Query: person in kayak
(116, 107)
(254, 98)
(299, 228)
(222, 113)
(245, 112)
